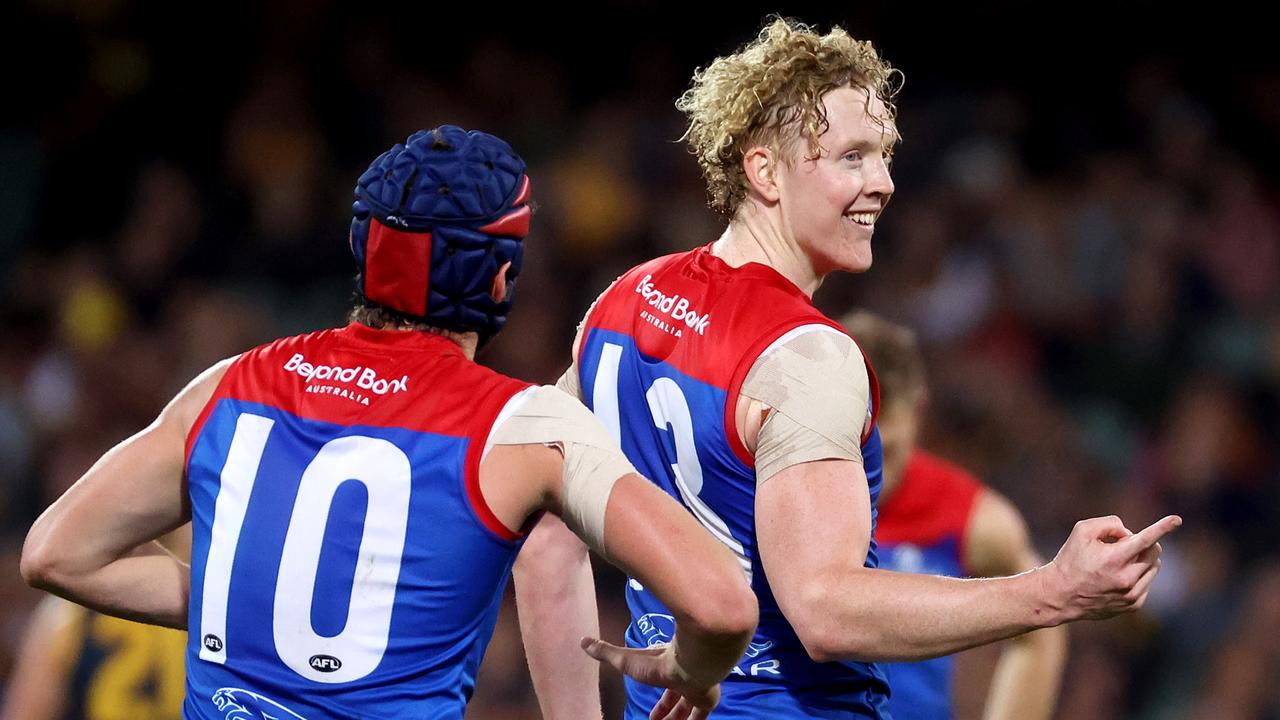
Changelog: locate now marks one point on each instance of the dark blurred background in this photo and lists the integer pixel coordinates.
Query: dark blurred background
(1086, 236)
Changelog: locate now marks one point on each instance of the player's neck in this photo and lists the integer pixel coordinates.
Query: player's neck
(468, 341)
(752, 237)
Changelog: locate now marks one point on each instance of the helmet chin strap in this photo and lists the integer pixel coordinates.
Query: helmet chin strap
(499, 290)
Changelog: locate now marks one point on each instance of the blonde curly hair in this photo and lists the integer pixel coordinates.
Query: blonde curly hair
(750, 97)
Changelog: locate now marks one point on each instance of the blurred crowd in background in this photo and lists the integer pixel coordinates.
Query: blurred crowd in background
(1086, 237)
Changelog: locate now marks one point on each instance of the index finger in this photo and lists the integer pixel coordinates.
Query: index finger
(1151, 534)
(665, 705)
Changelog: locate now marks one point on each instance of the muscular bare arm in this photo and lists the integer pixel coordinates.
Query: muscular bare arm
(556, 598)
(813, 525)
(641, 530)
(95, 544)
(1029, 672)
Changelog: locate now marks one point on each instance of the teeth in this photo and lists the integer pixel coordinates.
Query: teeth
(863, 218)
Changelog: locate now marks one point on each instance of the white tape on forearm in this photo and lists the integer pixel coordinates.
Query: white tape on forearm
(593, 462)
(815, 380)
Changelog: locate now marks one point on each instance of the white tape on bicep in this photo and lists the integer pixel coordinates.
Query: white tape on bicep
(815, 380)
(593, 462)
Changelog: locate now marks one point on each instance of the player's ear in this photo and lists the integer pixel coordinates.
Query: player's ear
(498, 291)
(760, 164)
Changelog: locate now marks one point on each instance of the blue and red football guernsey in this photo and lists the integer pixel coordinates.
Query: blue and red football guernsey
(923, 525)
(343, 562)
(661, 363)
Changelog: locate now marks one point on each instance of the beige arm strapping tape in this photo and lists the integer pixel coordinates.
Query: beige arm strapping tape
(593, 462)
(568, 382)
(815, 380)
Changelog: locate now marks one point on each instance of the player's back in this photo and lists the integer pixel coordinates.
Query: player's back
(922, 530)
(663, 356)
(344, 563)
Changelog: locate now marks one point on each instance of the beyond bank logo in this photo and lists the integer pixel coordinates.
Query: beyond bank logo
(673, 305)
(365, 378)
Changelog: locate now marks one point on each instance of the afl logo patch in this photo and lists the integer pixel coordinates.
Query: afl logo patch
(325, 663)
(213, 643)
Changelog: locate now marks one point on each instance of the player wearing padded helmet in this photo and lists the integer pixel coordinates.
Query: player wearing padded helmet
(436, 221)
(358, 495)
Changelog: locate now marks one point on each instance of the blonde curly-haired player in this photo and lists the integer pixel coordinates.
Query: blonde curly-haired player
(736, 396)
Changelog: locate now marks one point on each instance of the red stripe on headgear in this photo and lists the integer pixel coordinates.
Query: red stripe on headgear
(522, 197)
(397, 268)
(513, 224)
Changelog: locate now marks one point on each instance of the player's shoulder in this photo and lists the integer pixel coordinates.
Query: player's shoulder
(653, 266)
(821, 353)
(936, 499)
(639, 280)
(941, 477)
(291, 344)
(255, 360)
(811, 330)
(766, 305)
(475, 374)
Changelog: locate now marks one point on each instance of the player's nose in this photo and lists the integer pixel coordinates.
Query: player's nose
(879, 180)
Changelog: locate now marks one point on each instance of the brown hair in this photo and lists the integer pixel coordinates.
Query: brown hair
(381, 318)
(893, 352)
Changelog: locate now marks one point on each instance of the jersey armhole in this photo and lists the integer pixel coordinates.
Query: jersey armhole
(476, 452)
(219, 393)
(585, 327)
(874, 383)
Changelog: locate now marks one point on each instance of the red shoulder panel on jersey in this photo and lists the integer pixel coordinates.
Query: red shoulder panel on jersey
(707, 319)
(935, 500)
(357, 375)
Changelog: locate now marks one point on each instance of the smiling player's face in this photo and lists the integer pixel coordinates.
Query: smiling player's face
(830, 203)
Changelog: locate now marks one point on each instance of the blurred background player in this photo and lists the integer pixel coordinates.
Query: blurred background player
(734, 394)
(937, 518)
(357, 495)
(77, 664)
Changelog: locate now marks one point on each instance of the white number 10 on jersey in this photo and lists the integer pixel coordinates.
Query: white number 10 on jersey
(355, 652)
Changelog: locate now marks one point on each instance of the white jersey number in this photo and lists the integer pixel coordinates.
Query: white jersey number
(355, 652)
(668, 407)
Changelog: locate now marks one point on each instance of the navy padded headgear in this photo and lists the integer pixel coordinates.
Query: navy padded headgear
(434, 220)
